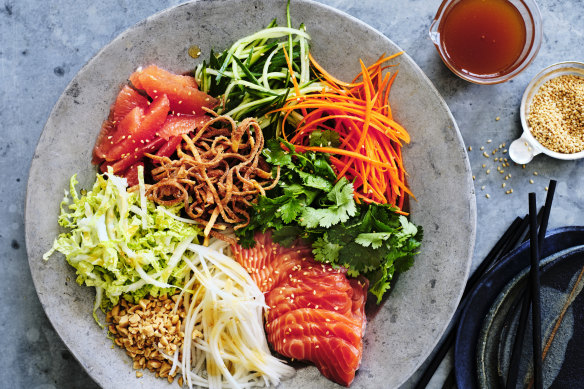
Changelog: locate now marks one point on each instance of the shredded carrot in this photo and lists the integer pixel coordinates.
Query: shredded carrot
(369, 154)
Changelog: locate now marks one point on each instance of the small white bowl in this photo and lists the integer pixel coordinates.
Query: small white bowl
(523, 150)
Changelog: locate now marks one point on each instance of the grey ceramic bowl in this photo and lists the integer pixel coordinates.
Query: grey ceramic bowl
(407, 327)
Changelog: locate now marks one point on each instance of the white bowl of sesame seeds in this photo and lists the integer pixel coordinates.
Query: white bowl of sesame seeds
(552, 115)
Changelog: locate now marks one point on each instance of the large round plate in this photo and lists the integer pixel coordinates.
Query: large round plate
(405, 330)
(482, 299)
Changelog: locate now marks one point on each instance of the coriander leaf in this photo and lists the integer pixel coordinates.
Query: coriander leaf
(275, 155)
(342, 196)
(314, 181)
(379, 281)
(404, 263)
(325, 251)
(286, 235)
(373, 239)
(408, 228)
(315, 217)
(290, 210)
(342, 234)
(305, 194)
(325, 138)
(362, 259)
(245, 238)
(323, 167)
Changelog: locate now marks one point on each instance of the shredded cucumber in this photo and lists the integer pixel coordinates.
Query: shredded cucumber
(252, 77)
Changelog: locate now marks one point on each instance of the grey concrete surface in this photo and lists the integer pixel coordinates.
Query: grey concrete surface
(44, 44)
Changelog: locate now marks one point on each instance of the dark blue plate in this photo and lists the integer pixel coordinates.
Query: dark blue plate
(486, 293)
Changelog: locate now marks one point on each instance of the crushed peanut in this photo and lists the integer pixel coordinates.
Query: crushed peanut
(146, 330)
(556, 114)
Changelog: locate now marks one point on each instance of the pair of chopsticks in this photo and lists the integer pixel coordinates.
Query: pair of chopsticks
(508, 241)
(532, 295)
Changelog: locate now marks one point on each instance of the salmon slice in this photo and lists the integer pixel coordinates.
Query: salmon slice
(315, 313)
(268, 263)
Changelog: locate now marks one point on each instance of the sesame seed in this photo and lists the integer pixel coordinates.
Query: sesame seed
(546, 188)
(531, 181)
(497, 118)
(535, 173)
(469, 148)
(488, 171)
(473, 178)
(485, 154)
(489, 141)
(488, 196)
(556, 108)
(483, 187)
(482, 148)
(503, 185)
(484, 165)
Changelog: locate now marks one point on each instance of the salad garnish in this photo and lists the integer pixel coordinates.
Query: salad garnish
(258, 152)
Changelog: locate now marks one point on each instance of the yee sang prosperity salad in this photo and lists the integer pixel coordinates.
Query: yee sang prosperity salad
(241, 214)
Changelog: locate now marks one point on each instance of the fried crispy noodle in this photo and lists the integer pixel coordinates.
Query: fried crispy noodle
(218, 175)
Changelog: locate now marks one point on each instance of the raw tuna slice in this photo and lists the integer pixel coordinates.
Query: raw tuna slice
(315, 313)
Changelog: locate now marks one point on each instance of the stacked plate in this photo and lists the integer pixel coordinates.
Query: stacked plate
(488, 324)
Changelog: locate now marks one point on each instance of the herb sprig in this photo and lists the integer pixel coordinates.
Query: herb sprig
(308, 203)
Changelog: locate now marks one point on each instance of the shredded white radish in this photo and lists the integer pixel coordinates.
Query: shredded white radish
(224, 345)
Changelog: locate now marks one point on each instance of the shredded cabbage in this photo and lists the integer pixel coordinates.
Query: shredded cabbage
(121, 243)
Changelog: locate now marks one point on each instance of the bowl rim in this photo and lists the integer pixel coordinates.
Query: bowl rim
(468, 188)
(549, 72)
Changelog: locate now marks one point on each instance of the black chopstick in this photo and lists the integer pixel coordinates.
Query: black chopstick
(546, 214)
(507, 241)
(518, 343)
(520, 333)
(535, 292)
(508, 237)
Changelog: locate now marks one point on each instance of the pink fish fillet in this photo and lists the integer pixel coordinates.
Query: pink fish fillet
(315, 312)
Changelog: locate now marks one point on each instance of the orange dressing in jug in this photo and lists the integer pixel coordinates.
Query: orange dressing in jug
(483, 36)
